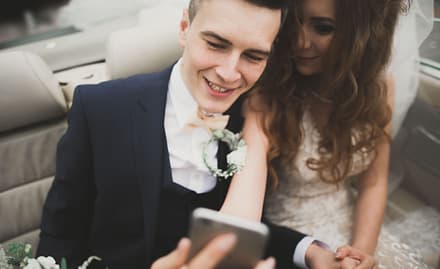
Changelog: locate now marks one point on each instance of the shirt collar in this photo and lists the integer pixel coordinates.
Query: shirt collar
(183, 102)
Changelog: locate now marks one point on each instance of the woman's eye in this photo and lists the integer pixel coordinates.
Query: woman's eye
(215, 45)
(324, 29)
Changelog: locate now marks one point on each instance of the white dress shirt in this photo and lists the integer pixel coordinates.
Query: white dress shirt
(185, 148)
(185, 144)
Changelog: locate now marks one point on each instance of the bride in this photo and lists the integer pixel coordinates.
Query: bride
(332, 121)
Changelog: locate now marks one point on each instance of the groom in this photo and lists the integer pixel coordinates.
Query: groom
(127, 176)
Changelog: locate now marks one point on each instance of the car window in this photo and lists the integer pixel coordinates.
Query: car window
(429, 50)
(26, 23)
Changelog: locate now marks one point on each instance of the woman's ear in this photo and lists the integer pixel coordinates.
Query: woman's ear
(184, 27)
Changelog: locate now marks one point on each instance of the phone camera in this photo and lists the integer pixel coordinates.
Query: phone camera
(206, 222)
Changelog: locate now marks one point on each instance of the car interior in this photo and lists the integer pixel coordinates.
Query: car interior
(38, 80)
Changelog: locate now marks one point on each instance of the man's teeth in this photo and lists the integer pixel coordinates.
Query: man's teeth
(216, 88)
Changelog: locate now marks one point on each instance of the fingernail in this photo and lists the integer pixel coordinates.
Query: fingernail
(270, 263)
(338, 255)
(182, 242)
(227, 242)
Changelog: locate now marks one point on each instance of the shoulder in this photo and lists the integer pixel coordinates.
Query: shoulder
(120, 91)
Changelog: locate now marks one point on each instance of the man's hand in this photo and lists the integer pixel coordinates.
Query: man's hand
(207, 258)
(346, 257)
(318, 257)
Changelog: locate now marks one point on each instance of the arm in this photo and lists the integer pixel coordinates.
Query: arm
(245, 196)
(371, 202)
(67, 211)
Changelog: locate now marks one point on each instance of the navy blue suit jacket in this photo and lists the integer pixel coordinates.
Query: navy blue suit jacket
(110, 166)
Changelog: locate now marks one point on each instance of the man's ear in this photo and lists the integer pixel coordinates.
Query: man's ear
(184, 27)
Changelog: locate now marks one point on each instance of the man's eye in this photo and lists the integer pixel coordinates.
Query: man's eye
(215, 45)
(254, 58)
(324, 29)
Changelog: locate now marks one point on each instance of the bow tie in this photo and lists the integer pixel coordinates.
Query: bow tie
(210, 121)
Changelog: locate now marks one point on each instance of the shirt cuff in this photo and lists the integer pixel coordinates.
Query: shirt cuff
(299, 256)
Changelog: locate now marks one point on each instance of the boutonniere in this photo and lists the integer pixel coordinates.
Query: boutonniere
(19, 255)
(235, 159)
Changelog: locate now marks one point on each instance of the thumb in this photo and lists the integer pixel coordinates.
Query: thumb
(176, 258)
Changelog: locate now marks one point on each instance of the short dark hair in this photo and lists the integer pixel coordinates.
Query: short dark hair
(194, 5)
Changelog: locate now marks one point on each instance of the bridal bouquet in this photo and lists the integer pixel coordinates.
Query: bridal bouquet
(19, 255)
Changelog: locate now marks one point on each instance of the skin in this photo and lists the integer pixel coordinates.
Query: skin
(314, 42)
(373, 186)
(230, 52)
(318, 28)
(317, 32)
(227, 51)
(207, 258)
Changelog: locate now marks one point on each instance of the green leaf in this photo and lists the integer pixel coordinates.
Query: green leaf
(16, 253)
(63, 263)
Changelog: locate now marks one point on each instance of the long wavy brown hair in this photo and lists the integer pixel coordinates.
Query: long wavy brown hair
(352, 82)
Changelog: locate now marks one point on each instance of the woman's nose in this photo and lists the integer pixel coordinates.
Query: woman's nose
(304, 41)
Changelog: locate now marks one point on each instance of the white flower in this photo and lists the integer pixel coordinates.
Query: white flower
(48, 262)
(237, 156)
(235, 159)
(32, 264)
(42, 263)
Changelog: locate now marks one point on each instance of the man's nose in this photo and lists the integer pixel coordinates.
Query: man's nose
(228, 70)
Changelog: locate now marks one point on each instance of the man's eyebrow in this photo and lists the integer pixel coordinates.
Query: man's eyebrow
(263, 53)
(216, 36)
(229, 43)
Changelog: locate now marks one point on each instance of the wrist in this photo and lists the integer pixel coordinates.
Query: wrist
(310, 252)
(314, 250)
(367, 247)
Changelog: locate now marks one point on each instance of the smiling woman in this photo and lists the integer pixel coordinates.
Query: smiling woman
(318, 28)
(145, 42)
(338, 114)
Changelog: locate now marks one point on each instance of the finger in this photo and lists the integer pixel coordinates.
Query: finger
(176, 258)
(214, 252)
(367, 263)
(349, 263)
(348, 251)
(269, 263)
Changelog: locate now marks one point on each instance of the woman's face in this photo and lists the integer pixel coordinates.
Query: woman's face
(318, 28)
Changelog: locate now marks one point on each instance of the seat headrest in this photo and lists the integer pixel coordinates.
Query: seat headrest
(29, 92)
(148, 47)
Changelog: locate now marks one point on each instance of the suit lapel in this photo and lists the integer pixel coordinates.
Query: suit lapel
(149, 143)
(151, 154)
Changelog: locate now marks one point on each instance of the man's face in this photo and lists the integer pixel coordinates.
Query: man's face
(226, 48)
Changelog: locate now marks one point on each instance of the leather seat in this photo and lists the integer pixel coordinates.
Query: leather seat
(32, 120)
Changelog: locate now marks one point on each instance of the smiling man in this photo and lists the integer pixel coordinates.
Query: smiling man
(130, 169)
(224, 52)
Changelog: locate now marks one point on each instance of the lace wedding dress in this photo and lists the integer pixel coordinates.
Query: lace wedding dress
(305, 203)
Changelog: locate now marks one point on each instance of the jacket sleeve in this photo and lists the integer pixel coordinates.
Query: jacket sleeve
(68, 210)
(282, 244)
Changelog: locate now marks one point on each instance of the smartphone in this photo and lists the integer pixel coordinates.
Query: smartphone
(251, 237)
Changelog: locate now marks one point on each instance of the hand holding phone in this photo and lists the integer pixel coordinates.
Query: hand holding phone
(207, 258)
(251, 237)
